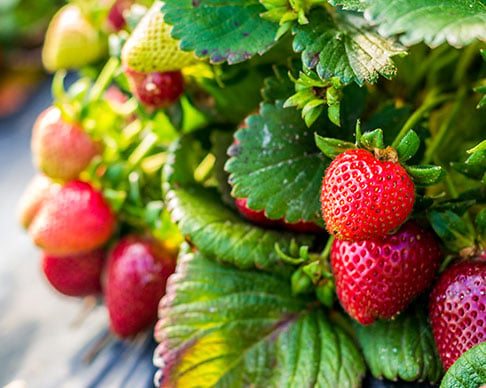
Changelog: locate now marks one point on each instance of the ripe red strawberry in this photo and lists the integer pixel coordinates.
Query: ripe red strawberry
(39, 189)
(137, 273)
(75, 220)
(61, 150)
(458, 309)
(76, 275)
(363, 197)
(259, 218)
(379, 278)
(156, 90)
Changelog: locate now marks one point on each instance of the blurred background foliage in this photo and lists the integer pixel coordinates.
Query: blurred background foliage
(22, 28)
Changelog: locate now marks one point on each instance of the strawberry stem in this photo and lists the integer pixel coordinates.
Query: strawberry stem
(143, 149)
(432, 100)
(451, 188)
(286, 258)
(61, 99)
(444, 128)
(104, 79)
(327, 249)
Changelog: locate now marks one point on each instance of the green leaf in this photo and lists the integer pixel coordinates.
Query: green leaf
(451, 229)
(283, 11)
(355, 5)
(373, 139)
(332, 147)
(434, 22)
(277, 166)
(334, 113)
(216, 230)
(426, 175)
(403, 348)
(223, 327)
(221, 234)
(229, 31)
(481, 227)
(477, 194)
(455, 205)
(475, 165)
(408, 146)
(343, 45)
(237, 91)
(220, 142)
(278, 87)
(469, 371)
(480, 147)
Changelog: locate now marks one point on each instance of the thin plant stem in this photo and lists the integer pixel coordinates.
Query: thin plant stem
(432, 100)
(445, 126)
(327, 249)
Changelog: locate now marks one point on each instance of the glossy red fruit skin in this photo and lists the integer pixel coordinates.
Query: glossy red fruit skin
(258, 217)
(75, 220)
(40, 188)
(379, 278)
(61, 150)
(363, 197)
(156, 90)
(457, 309)
(136, 278)
(76, 275)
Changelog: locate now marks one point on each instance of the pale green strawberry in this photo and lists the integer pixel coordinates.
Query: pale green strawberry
(150, 48)
(71, 41)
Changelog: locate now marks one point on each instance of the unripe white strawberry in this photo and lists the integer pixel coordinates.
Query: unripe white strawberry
(151, 48)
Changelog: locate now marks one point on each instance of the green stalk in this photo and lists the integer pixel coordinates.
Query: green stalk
(142, 149)
(464, 62)
(327, 249)
(432, 100)
(104, 79)
(451, 188)
(445, 126)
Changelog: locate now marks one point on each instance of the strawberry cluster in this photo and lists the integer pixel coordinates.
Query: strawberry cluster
(382, 259)
(86, 249)
(77, 229)
(156, 150)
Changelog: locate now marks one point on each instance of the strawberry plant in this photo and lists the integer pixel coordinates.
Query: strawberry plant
(318, 169)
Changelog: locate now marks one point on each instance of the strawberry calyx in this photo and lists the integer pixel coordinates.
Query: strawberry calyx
(388, 154)
(314, 271)
(473, 252)
(372, 141)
